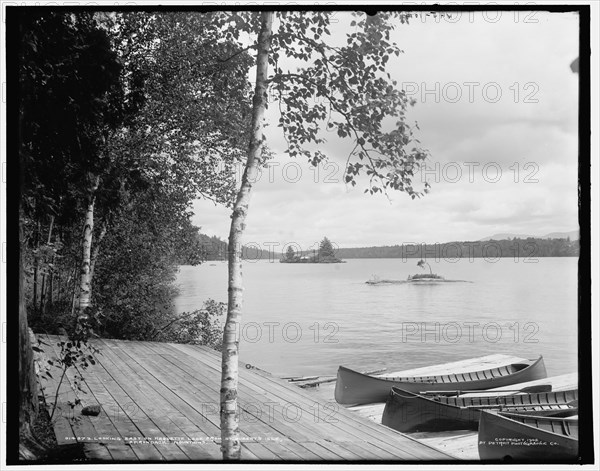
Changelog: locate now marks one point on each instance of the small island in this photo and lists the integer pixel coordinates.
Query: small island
(419, 278)
(425, 276)
(325, 254)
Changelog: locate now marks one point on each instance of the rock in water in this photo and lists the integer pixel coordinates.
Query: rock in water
(91, 410)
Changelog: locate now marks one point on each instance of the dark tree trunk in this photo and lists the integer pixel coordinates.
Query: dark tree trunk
(28, 391)
(44, 275)
(36, 262)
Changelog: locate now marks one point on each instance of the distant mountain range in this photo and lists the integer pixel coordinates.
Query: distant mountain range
(573, 235)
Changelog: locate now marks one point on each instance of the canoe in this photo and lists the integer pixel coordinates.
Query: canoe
(520, 437)
(407, 411)
(356, 388)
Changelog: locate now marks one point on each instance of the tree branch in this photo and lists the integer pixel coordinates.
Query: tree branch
(336, 107)
(221, 61)
(169, 324)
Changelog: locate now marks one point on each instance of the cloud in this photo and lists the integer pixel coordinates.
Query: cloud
(529, 132)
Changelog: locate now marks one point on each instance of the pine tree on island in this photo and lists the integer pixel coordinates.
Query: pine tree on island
(290, 255)
(326, 252)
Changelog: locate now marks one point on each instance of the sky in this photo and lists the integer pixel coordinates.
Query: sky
(497, 108)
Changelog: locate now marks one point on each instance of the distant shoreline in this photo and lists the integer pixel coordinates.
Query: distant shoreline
(523, 249)
(431, 259)
(490, 249)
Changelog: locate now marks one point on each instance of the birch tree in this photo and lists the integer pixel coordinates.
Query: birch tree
(85, 288)
(138, 100)
(72, 95)
(231, 445)
(184, 133)
(342, 88)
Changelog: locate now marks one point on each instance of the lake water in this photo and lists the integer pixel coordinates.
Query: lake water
(307, 319)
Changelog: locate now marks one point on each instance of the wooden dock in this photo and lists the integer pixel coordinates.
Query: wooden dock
(160, 402)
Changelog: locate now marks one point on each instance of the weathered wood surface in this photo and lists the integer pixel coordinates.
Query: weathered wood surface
(459, 443)
(160, 402)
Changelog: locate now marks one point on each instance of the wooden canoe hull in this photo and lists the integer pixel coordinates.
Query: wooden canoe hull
(353, 388)
(502, 438)
(410, 412)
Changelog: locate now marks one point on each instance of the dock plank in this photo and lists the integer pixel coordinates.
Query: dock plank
(97, 451)
(400, 450)
(195, 388)
(103, 427)
(209, 392)
(459, 443)
(147, 401)
(196, 395)
(118, 407)
(354, 426)
(109, 395)
(259, 402)
(189, 415)
(168, 396)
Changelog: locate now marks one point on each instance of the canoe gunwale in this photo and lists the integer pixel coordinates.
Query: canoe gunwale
(408, 411)
(518, 418)
(396, 391)
(495, 425)
(353, 387)
(417, 380)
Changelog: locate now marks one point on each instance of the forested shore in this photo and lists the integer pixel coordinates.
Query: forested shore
(490, 249)
(214, 249)
(113, 154)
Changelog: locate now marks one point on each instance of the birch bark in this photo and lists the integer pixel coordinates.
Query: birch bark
(230, 441)
(85, 281)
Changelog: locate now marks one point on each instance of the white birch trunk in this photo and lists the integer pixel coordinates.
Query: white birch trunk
(85, 281)
(230, 441)
(96, 252)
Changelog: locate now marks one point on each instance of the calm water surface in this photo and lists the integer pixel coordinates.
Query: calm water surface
(307, 319)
